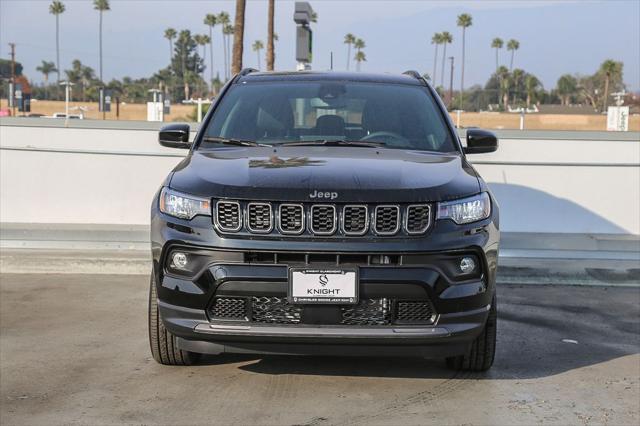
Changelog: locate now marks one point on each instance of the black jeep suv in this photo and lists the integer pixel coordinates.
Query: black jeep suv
(325, 213)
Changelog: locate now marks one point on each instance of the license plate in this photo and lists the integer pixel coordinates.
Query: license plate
(310, 286)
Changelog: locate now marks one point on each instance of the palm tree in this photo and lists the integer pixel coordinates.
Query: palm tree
(257, 47)
(228, 31)
(446, 39)
(271, 56)
(210, 20)
(531, 86)
(512, 45)
(349, 40)
(464, 21)
(611, 69)
(57, 8)
(238, 36)
(223, 20)
(46, 68)
(360, 57)
(170, 34)
(497, 44)
(504, 78)
(101, 6)
(517, 77)
(566, 87)
(437, 40)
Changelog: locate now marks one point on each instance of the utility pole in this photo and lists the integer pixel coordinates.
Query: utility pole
(450, 84)
(13, 78)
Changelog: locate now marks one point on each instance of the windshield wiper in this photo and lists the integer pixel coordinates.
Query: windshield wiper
(333, 142)
(232, 141)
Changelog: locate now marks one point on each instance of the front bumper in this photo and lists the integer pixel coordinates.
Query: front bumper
(258, 268)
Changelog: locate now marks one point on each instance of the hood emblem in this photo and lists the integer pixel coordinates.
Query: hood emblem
(323, 195)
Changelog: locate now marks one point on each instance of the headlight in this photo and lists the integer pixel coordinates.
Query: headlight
(466, 210)
(182, 205)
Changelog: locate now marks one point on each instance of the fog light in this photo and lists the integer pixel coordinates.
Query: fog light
(179, 260)
(467, 265)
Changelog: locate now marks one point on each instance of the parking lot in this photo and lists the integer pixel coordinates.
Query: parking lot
(74, 350)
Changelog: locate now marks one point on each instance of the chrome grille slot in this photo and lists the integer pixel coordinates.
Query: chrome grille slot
(323, 219)
(355, 220)
(228, 217)
(291, 218)
(387, 219)
(418, 218)
(259, 217)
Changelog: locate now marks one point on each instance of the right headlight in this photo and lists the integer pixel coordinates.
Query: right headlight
(182, 205)
(466, 210)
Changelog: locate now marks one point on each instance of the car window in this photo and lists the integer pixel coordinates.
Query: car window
(396, 115)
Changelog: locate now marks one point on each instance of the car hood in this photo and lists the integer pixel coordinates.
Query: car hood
(347, 174)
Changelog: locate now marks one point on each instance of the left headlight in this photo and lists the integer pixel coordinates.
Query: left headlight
(183, 206)
(466, 210)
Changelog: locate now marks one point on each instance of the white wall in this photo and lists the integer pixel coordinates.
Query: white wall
(109, 176)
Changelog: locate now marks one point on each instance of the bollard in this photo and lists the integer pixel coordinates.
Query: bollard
(199, 110)
(522, 119)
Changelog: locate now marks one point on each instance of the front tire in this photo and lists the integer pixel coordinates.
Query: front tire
(163, 344)
(482, 353)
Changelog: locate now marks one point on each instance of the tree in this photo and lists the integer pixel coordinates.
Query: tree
(566, 87)
(46, 68)
(446, 39)
(223, 20)
(80, 75)
(101, 6)
(170, 34)
(437, 40)
(611, 70)
(271, 57)
(512, 45)
(464, 21)
(497, 44)
(359, 44)
(238, 36)
(349, 40)
(186, 64)
(531, 86)
(517, 81)
(57, 8)
(228, 31)
(360, 57)
(210, 20)
(257, 47)
(504, 78)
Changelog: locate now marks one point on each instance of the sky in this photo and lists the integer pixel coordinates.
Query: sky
(556, 37)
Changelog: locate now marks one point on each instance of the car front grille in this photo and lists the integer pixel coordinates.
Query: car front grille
(327, 220)
(259, 217)
(387, 220)
(277, 310)
(228, 216)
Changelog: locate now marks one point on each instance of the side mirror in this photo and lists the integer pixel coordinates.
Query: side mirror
(175, 136)
(480, 141)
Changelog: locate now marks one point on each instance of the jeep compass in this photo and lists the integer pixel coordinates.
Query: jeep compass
(324, 213)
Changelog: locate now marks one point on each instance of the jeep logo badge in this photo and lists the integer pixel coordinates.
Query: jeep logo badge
(323, 195)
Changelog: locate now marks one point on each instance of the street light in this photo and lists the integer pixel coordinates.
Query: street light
(67, 84)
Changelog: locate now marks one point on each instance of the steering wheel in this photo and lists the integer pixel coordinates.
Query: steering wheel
(388, 138)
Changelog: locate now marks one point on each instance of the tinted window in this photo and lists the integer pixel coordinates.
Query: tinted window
(400, 116)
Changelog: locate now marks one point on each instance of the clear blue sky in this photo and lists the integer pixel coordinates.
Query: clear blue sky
(556, 37)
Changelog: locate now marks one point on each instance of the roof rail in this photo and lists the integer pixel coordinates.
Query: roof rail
(246, 71)
(415, 74)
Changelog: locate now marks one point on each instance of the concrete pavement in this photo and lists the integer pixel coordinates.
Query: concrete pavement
(73, 350)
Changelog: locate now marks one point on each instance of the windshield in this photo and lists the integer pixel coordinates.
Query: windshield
(387, 115)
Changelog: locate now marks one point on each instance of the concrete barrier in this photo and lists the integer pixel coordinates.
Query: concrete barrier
(107, 173)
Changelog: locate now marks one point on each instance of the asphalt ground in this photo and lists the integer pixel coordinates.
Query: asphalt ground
(74, 350)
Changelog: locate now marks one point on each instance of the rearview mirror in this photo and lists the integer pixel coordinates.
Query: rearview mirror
(480, 141)
(175, 136)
